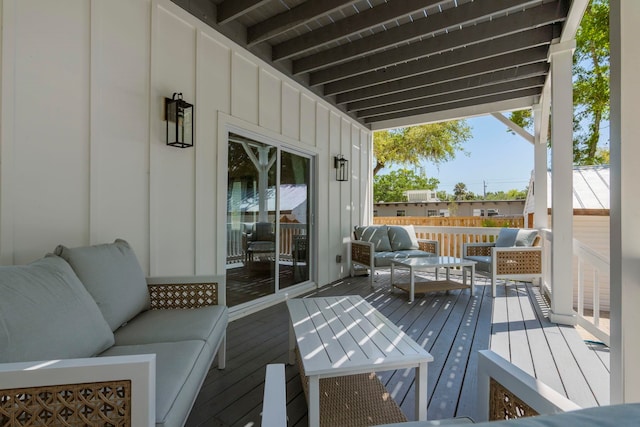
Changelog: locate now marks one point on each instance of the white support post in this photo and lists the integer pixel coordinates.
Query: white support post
(561, 58)
(541, 129)
(625, 203)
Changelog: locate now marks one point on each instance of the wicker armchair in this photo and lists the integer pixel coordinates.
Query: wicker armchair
(506, 262)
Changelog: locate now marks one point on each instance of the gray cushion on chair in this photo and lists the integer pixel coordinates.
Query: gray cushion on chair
(376, 234)
(403, 237)
(526, 237)
(48, 293)
(112, 275)
(507, 237)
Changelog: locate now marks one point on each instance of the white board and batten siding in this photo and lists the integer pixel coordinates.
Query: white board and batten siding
(83, 136)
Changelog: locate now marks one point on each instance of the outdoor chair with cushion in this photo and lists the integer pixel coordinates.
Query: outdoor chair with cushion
(261, 239)
(515, 254)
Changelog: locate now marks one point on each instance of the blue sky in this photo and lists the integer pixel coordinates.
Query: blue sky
(502, 160)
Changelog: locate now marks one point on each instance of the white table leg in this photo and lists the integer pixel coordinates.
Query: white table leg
(314, 401)
(292, 344)
(473, 273)
(412, 284)
(447, 271)
(421, 392)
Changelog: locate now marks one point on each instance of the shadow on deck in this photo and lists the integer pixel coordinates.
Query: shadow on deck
(452, 326)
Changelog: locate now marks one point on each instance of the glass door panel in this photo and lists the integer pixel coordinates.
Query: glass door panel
(294, 223)
(251, 220)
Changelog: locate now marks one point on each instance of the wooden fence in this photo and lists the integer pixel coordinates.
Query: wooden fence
(452, 221)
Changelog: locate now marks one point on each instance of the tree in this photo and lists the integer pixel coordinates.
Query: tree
(590, 86)
(391, 187)
(437, 142)
(460, 191)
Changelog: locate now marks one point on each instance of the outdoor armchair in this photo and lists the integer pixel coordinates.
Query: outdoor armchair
(515, 254)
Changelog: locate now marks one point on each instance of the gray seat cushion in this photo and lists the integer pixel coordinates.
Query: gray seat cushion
(180, 370)
(46, 313)
(205, 323)
(112, 275)
(383, 259)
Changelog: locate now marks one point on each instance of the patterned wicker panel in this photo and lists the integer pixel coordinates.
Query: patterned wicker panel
(354, 400)
(361, 254)
(192, 295)
(95, 404)
(478, 250)
(518, 262)
(504, 405)
(428, 247)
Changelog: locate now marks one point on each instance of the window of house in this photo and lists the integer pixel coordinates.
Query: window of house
(401, 212)
(432, 212)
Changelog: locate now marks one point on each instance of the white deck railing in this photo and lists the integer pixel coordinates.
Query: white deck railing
(235, 251)
(589, 262)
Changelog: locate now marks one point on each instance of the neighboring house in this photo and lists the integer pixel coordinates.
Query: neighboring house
(458, 208)
(590, 221)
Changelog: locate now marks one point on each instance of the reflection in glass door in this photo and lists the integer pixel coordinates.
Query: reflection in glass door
(267, 220)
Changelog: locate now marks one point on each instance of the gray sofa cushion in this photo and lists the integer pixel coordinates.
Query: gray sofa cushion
(205, 323)
(383, 259)
(112, 275)
(376, 234)
(507, 237)
(181, 367)
(526, 237)
(403, 237)
(46, 313)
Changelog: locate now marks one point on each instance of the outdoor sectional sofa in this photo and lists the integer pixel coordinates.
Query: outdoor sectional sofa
(375, 246)
(78, 312)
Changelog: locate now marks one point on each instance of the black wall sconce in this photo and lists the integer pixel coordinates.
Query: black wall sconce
(342, 168)
(179, 117)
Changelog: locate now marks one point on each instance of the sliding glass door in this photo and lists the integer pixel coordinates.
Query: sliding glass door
(268, 194)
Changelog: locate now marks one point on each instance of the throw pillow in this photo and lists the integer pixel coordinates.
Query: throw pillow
(526, 237)
(506, 238)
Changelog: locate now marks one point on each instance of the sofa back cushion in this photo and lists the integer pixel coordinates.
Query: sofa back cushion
(526, 237)
(112, 275)
(46, 313)
(376, 234)
(403, 237)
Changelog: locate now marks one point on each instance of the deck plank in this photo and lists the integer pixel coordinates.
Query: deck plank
(451, 326)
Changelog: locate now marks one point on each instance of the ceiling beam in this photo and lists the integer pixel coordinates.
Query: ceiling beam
(438, 87)
(478, 59)
(349, 26)
(456, 113)
(531, 92)
(292, 18)
(229, 10)
(447, 98)
(467, 36)
(423, 27)
(514, 127)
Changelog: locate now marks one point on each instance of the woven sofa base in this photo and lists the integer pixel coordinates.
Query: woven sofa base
(354, 400)
(104, 403)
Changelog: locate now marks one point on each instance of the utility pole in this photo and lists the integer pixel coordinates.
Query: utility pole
(484, 183)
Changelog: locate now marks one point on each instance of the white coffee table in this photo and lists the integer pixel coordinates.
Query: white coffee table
(345, 335)
(428, 263)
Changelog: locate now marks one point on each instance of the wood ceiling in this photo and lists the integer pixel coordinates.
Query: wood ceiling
(389, 62)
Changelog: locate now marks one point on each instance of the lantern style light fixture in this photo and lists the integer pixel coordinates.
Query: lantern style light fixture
(342, 168)
(179, 117)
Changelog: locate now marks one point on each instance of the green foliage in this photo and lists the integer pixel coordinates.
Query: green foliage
(590, 86)
(391, 187)
(437, 142)
(460, 192)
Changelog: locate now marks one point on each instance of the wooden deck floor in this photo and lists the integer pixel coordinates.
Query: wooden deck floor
(451, 326)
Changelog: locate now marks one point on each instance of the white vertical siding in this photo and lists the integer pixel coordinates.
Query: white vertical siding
(82, 126)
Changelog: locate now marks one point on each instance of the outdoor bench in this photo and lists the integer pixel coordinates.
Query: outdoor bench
(87, 340)
(376, 246)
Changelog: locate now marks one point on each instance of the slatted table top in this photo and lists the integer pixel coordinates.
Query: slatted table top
(345, 335)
